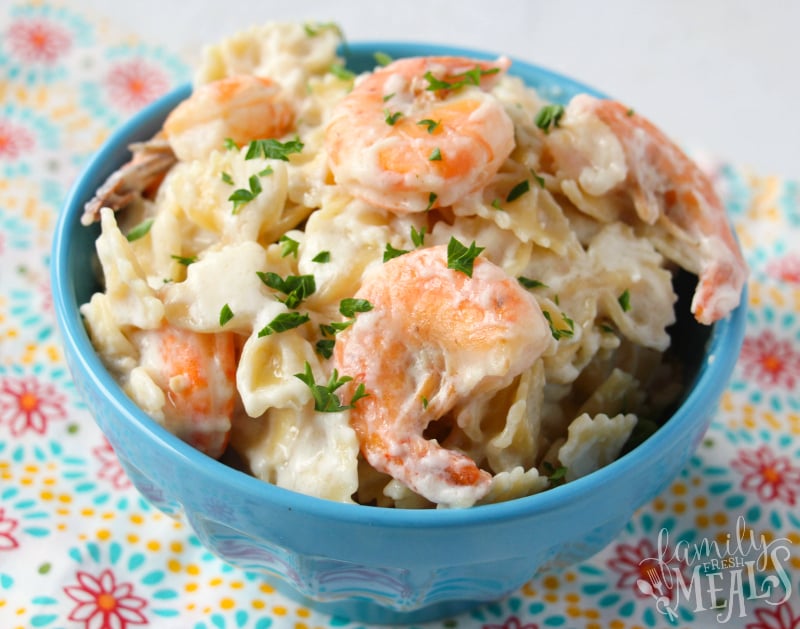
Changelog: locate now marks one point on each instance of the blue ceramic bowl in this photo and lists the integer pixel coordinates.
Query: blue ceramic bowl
(365, 563)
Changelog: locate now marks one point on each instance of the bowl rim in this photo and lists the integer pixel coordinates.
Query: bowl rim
(723, 348)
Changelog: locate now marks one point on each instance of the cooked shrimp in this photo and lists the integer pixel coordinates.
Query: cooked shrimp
(197, 374)
(668, 188)
(240, 108)
(434, 339)
(404, 141)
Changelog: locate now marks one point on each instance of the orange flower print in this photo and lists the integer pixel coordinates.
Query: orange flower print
(134, 83)
(770, 361)
(102, 603)
(37, 41)
(26, 404)
(772, 477)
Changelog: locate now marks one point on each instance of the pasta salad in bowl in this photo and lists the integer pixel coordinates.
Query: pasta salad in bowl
(383, 298)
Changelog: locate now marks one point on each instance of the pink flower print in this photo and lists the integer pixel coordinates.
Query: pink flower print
(15, 140)
(770, 361)
(134, 83)
(512, 623)
(786, 269)
(7, 526)
(771, 477)
(644, 562)
(102, 603)
(27, 404)
(780, 617)
(111, 471)
(37, 41)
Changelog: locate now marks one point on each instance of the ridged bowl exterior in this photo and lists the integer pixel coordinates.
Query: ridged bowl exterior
(368, 564)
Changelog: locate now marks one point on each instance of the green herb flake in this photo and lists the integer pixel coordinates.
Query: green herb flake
(529, 283)
(392, 118)
(539, 179)
(273, 149)
(284, 321)
(556, 475)
(266, 171)
(226, 178)
(349, 306)
(517, 191)
(389, 253)
(225, 315)
(630, 113)
(436, 155)
(424, 402)
(289, 246)
(340, 72)
(462, 258)
(557, 332)
(243, 196)
(431, 200)
(324, 347)
(140, 230)
(496, 205)
(388, 97)
(431, 125)
(295, 287)
(382, 59)
(184, 260)
(470, 77)
(322, 257)
(418, 237)
(624, 300)
(548, 117)
(230, 145)
(325, 398)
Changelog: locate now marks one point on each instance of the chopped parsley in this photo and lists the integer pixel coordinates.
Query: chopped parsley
(325, 398)
(226, 178)
(556, 475)
(140, 230)
(392, 118)
(496, 204)
(417, 237)
(273, 149)
(324, 347)
(230, 145)
(517, 191)
(289, 246)
(460, 257)
(284, 321)
(431, 125)
(340, 72)
(225, 314)
(624, 300)
(322, 257)
(350, 306)
(431, 200)
(295, 287)
(539, 179)
(243, 196)
(184, 260)
(529, 283)
(548, 117)
(557, 332)
(470, 77)
(390, 252)
(630, 113)
(436, 155)
(382, 59)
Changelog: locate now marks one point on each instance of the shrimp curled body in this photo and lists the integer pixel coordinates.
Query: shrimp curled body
(239, 108)
(398, 143)
(197, 373)
(669, 191)
(435, 338)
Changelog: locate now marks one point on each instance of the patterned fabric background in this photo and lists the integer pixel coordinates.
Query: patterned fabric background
(80, 548)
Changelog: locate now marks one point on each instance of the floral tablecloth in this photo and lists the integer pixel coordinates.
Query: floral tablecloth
(80, 548)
